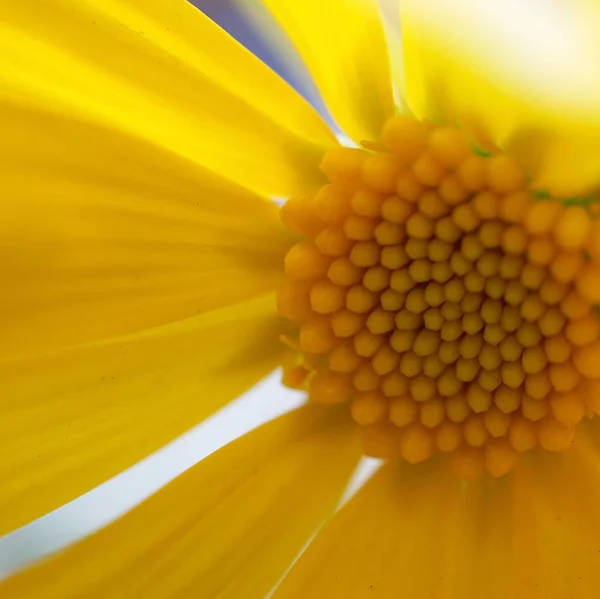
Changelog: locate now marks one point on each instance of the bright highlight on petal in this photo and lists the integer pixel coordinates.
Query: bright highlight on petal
(344, 48)
(533, 92)
(447, 301)
(74, 418)
(390, 10)
(228, 527)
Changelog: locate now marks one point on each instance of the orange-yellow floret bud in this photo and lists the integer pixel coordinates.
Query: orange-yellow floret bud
(368, 408)
(330, 387)
(573, 228)
(416, 444)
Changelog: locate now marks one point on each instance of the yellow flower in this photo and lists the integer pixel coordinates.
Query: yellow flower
(437, 289)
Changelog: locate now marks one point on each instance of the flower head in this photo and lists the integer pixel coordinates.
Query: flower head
(447, 301)
(432, 289)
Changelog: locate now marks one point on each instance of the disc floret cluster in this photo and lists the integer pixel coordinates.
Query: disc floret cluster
(447, 302)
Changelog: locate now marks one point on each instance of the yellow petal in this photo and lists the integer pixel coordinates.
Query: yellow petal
(229, 527)
(530, 535)
(510, 82)
(74, 418)
(393, 36)
(557, 523)
(105, 235)
(165, 74)
(388, 541)
(343, 46)
(479, 552)
(567, 159)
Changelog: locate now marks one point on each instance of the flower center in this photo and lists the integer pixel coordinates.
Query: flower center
(452, 306)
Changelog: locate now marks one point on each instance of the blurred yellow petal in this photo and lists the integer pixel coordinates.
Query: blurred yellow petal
(557, 522)
(423, 534)
(229, 527)
(566, 160)
(509, 84)
(103, 235)
(74, 418)
(161, 72)
(388, 541)
(393, 36)
(343, 46)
